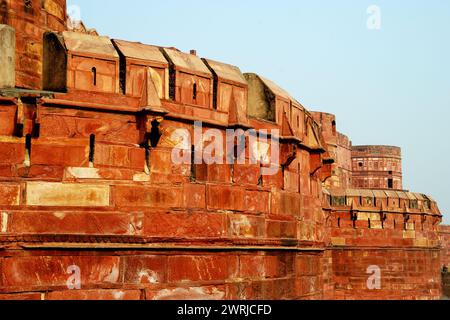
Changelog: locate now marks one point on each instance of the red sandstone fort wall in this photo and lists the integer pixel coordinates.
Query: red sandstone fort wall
(445, 260)
(131, 275)
(404, 274)
(74, 206)
(88, 182)
(445, 240)
(404, 247)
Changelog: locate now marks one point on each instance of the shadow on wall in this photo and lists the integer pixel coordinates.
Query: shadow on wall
(445, 284)
(3, 12)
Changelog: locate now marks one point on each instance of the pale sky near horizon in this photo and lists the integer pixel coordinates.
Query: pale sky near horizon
(388, 86)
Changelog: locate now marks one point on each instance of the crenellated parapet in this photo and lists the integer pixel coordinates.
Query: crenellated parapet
(106, 120)
(406, 219)
(90, 174)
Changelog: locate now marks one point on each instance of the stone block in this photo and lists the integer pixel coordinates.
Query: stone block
(47, 194)
(187, 225)
(188, 293)
(10, 194)
(281, 229)
(222, 197)
(245, 226)
(91, 295)
(67, 222)
(154, 197)
(257, 201)
(194, 196)
(251, 267)
(71, 154)
(246, 174)
(198, 268)
(145, 270)
(21, 296)
(119, 156)
(12, 150)
(34, 272)
(7, 57)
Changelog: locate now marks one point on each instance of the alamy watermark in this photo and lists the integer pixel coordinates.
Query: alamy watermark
(374, 19)
(73, 16)
(211, 147)
(74, 281)
(374, 281)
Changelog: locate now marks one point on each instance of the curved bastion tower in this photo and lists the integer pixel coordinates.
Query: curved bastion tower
(377, 167)
(90, 191)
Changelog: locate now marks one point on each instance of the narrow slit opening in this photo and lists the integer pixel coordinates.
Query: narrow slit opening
(260, 178)
(28, 150)
(193, 175)
(148, 164)
(91, 150)
(194, 92)
(94, 76)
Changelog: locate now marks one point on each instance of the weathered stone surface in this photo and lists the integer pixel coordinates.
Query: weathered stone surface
(12, 150)
(10, 194)
(21, 296)
(226, 198)
(188, 225)
(30, 273)
(88, 180)
(190, 293)
(192, 268)
(145, 270)
(156, 197)
(66, 222)
(7, 57)
(68, 195)
(102, 295)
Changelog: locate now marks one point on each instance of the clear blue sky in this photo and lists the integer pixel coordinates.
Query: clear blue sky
(390, 86)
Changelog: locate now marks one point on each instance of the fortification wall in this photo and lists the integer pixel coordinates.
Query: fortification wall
(91, 189)
(90, 181)
(167, 234)
(165, 275)
(401, 278)
(376, 240)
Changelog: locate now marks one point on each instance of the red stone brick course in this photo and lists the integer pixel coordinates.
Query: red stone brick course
(87, 179)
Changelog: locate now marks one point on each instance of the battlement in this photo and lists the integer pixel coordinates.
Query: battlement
(344, 141)
(393, 201)
(383, 210)
(86, 164)
(377, 151)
